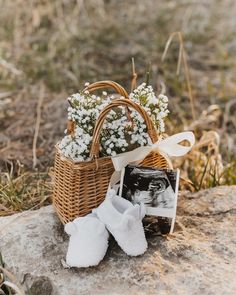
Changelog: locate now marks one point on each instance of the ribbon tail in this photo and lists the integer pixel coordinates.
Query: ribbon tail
(172, 147)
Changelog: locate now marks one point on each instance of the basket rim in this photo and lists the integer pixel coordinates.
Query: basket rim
(69, 160)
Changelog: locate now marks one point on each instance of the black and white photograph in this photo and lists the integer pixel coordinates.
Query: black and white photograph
(157, 189)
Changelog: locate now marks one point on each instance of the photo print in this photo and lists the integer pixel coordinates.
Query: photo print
(157, 189)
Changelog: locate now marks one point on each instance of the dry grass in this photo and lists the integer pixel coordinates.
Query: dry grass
(48, 49)
(203, 166)
(23, 191)
(8, 283)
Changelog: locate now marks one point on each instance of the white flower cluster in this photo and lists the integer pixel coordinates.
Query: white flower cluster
(117, 135)
(155, 106)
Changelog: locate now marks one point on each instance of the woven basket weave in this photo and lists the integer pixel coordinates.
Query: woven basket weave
(79, 187)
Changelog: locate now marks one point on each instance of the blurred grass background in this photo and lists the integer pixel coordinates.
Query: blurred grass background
(49, 49)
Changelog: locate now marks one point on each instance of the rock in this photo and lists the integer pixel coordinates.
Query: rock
(41, 285)
(211, 201)
(199, 258)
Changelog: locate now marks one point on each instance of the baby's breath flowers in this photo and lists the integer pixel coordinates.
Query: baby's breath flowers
(117, 135)
(155, 106)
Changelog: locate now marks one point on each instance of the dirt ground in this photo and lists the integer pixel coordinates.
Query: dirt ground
(49, 49)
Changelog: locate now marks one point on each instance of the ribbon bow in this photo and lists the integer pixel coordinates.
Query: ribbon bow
(170, 146)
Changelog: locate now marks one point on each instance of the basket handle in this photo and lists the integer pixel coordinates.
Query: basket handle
(101, 85)
(107, 84)
(94, 151)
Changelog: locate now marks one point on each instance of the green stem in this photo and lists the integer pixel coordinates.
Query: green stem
(148, 73)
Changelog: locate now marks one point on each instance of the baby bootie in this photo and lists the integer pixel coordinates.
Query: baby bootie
(88, 241)
(124, 221)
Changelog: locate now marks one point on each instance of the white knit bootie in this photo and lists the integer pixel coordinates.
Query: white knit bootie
(124, 221)
(88, 241)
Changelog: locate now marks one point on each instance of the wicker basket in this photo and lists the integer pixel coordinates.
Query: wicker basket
(79, 187)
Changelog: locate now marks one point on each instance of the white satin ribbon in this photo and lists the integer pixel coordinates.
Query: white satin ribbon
(170, 146)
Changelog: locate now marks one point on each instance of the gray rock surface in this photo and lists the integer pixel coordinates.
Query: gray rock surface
(199, 258)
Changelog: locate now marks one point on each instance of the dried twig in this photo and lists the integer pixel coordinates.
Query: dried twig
(6, 94)
(134, 74)
(163, 87)
(37, 124)
(10, 67)
(14, 285)
(182, 57)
